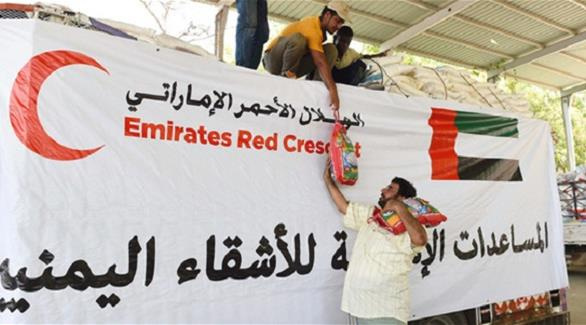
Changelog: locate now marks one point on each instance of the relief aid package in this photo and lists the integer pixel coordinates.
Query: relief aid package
(425, 213)
(343, 156)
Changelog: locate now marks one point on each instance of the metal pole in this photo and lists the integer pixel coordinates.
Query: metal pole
(221, 18)
(567, 115)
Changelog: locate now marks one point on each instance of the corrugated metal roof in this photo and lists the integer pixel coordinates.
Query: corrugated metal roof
(480, 37)
(487, 34)
(562, 63)
(512, 22)
(566, 13)
(439, 48)
(535, 74)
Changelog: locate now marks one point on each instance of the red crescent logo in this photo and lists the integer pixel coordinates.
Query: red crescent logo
(24, 115)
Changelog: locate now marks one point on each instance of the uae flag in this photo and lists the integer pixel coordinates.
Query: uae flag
(448, 165)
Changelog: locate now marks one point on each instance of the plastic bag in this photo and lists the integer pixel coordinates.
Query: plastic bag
(425, 213)
(344, 162)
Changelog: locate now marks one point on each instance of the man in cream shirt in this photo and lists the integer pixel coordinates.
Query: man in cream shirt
(376, 287)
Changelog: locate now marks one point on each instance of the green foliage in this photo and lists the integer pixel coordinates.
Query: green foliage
(579, 125)
(546, 105)
(370, 49)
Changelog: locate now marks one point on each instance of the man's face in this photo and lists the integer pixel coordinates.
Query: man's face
(388, 193)
(333, 22)
(342, 44)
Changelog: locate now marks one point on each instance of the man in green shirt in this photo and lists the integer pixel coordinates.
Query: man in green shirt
(349, 68)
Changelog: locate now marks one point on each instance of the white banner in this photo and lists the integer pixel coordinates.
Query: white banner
(140, 184)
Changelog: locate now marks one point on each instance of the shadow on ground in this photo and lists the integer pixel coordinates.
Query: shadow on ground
(577, 295)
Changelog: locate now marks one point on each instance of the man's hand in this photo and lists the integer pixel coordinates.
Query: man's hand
(337, 196)
(327, 175)
(335, 101)
(415, 230)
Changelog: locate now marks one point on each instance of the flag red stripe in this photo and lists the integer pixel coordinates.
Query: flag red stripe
(444, 160)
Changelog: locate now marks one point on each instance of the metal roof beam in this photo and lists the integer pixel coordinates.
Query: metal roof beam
(495, 29)
(476, 23)
(541, 19)
(422, 5)
(427, 23)
(572, 90)
(377, 18)
(468, 45)
(573, 57)
(556, 47)
(558, 71)
(531, 81)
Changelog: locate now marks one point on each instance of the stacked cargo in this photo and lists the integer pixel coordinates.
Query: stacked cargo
(445, 83)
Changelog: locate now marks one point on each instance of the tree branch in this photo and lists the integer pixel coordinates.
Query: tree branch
(150, 11)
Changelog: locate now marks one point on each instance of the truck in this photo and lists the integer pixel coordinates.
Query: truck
(572, 189)
(142, 184)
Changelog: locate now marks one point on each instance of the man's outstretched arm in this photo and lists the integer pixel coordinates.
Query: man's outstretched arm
(335, 193)
(321, 63)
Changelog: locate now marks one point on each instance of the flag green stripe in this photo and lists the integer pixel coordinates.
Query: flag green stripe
(483, 124)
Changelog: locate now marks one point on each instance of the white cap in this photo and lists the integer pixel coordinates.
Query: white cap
(341, 8)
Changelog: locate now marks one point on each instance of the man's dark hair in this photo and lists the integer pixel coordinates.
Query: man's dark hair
(406, 189)
(345, 31)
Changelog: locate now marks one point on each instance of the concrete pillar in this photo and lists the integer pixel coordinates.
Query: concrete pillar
(567, 115)
(221, 18)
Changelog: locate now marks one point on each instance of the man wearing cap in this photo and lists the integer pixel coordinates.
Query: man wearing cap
(299, 49)
(376, 287)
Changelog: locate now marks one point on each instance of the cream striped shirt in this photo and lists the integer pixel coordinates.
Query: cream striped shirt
(377, 281)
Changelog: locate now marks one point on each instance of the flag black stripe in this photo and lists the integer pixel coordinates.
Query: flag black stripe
(489, 169)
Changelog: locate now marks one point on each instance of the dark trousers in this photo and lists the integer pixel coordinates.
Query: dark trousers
(350, 75)
(252, 31)
(292, 54)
